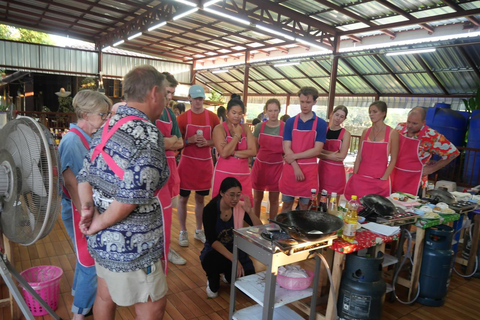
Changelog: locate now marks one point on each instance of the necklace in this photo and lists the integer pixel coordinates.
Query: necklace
(375, 133)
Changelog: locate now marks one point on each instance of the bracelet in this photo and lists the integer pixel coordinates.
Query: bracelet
(186, 142)
(236, 136)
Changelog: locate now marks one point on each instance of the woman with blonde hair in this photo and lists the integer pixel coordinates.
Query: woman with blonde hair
(372, 169)
(268, 164)
(92, 109)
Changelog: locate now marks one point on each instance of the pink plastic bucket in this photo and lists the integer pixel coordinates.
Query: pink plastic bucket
(45, 280)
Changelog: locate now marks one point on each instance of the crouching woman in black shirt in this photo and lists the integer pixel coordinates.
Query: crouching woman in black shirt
(222, 214)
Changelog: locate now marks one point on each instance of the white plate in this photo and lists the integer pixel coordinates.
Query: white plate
(429, 218)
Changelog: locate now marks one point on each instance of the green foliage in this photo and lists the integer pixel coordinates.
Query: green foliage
(65, 104)
(216, 97)
(24, 35)
(88, 83)
(473, 103)
(3, 107)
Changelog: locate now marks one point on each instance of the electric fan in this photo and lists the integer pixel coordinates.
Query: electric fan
(29, 194)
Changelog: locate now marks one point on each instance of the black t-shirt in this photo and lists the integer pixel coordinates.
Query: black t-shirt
(331, 135)
(216, 229)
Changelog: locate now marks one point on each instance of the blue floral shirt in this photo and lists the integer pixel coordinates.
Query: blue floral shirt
(137, 147)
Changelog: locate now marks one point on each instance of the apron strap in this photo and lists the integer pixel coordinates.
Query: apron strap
(106, 135)
(85, 144)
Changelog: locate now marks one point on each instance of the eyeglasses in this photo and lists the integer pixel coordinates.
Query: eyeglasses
(104, 116)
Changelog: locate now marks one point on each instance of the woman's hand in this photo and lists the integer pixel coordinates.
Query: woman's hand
(247, 206)
(237, 130)
(298, 173)
(240, 271)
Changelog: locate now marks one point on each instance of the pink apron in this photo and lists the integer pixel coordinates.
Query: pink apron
(301, 140)
(233, 167)
(173, 182)
(373, 166)
(268, 164)
(407, 174)
(331, 174)
(196, 166)
(81, 247)
(163, 195)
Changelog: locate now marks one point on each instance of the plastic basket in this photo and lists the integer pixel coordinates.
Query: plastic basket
(295, 283)
(45, 280)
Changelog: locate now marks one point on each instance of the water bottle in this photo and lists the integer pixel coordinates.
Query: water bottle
(350, 220)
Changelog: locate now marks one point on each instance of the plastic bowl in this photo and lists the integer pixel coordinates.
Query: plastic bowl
(295, 283)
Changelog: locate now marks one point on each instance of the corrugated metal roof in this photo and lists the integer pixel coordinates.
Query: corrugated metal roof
(420, 83)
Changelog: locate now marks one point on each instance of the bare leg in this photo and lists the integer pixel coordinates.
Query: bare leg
(257, 202)
(199, 204)
(182, 212)
(303, 206)
(151, 310)
(287, 206)
(273, 198)
(103, 307)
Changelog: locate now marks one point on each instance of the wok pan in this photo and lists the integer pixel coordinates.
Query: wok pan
(377, 206)
(439, 195)
(306, 224)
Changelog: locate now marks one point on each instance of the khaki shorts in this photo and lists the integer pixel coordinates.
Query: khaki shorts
(129, 288)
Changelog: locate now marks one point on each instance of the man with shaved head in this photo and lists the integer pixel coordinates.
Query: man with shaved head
(418, 143)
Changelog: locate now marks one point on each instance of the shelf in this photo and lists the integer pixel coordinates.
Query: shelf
(254, 287)
(255, 313)
(388, 260)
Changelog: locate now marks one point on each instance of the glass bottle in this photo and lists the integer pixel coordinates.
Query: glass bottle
(332, 204)
(323, 201)
(350, 220)
(312, 203)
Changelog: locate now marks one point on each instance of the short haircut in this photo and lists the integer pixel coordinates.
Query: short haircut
(181, 107)
(90, 101)
(308, 91)
(421, 111)
(381, 105)
(256, 121)
(341, 107)
(171, 79)
(140, 80)
(235, 102)
(285, 117)
(273, 100)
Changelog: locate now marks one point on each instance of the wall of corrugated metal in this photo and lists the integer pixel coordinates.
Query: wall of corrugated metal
(64, 61)
(118, 66)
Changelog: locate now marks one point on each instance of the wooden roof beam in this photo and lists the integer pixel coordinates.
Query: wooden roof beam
(457, 8)
(277, 84)
(401, 12)
(310, 78)
(258, 83)
(329, 75)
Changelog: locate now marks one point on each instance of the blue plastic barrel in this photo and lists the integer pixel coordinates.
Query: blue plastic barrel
(452, 124)
(472, 158)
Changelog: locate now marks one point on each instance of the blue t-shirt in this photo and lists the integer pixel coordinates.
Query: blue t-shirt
(72, 152)
(137, 147)
(321, 128)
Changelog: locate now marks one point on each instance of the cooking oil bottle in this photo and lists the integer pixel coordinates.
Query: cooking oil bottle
(350, 220)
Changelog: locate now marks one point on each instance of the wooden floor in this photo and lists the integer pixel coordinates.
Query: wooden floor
(186, 297)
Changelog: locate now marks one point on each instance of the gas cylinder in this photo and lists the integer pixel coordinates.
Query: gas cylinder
(437, 263)
(362, 291)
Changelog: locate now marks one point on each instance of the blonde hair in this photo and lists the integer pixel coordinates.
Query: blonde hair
(87, 101)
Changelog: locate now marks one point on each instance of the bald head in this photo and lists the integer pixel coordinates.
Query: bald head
(419, 111)
(415, 121)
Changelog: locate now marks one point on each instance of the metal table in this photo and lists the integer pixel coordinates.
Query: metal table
(251, 242)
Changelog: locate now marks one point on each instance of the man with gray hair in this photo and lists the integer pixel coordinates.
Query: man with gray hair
(418, 143)
(119, 183)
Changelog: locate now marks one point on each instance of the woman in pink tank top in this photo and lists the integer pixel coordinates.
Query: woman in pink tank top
(372, 169)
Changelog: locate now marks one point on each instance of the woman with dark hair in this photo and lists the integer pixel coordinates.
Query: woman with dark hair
(178, 109)
(221, 215)
(221, 113)
(331, 172)
(268, 164)
(235, 144)
(371, 172)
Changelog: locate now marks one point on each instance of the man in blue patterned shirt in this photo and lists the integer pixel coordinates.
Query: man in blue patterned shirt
(122, 173)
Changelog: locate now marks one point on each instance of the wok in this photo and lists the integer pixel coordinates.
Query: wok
(377, 206)
(439, 195)
(309, 225)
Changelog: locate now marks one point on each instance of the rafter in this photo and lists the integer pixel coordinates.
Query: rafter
(329, 74)
(430, 73)
(310, 78)
(358, 74)
(401, 12)
(277, 84)
(457, 8)
(469, 60)
(258, 83)
(396, 77)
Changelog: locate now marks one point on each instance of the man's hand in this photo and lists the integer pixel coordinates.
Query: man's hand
(298, 173)
(290, 157)
(428, 170)
(201, 141)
